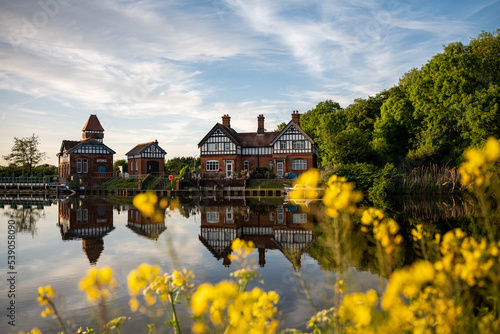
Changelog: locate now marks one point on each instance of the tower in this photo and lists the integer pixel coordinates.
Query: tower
(93, 129)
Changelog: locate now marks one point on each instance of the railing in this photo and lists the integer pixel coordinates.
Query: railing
(103, 175)
(25, 180)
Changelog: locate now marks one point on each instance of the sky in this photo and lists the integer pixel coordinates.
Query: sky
(168, 70)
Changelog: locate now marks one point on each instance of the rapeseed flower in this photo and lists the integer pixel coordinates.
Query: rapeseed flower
(98, 283)
(46, 297)
(340, 195)
(478, 163)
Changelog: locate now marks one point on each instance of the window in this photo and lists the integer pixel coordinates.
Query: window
(299, 164)
(227, 146)
(136, 165)
(85, 215)
(212, 166)
(245, 164)
(283, 145)
(299, 144)
(212, 217)
(271, 165)
(213, 146)
(299, 218)
(79, 166)
(85, 166)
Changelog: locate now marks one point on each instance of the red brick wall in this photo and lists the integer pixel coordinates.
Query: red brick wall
(143, 166)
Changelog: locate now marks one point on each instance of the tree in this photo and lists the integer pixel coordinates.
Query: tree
(25, 152)
(118, 163)
(280, 127)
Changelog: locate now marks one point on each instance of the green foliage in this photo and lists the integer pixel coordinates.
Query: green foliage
(176, 165)
(280, 127)
(25, 153)
(431, 117)
(118, 163)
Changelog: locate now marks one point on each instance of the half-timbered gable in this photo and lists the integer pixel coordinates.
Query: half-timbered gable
(225, 152)
(293, 140)
(146, 158)
(220, 141)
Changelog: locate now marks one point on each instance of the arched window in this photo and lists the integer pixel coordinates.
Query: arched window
(85, 166)
(79, 165)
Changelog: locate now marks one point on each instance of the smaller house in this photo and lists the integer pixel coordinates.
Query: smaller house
(146, 158)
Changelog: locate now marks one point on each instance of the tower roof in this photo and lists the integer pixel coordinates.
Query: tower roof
(93, 124)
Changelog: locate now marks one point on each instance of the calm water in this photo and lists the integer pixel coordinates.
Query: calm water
(57, 242)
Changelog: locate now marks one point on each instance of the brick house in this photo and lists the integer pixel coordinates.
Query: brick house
(225, 152)
(86, 162)
(146, 158)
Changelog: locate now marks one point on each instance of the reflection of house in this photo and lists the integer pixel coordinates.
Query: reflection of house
(86, 162)
(223, 150)
(146, 158)
(88, 219)
(284, 228)
(143, 225)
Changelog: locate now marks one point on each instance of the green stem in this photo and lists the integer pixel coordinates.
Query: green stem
(174, 315)
(58, 317)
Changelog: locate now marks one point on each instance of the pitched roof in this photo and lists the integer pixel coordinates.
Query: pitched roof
(68, 145)
(141, 147)
(93, 124)
(288, 126)
(252, 139)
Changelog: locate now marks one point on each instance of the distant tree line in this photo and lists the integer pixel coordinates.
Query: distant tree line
(25, 159)
(431, 117)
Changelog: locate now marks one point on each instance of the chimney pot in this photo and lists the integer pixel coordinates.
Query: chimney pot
(260, 124)
(226, 120)
(296, 117)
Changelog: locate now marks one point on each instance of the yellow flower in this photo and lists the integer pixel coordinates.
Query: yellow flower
(307, 182)
(98, 283)
(35, 331)
(146, 203)
(340, 195)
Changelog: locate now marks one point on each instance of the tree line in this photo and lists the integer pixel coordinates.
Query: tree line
(430, 117)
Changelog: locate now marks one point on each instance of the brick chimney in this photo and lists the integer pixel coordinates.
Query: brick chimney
(260, 124)
(226, 120)
(296, 117)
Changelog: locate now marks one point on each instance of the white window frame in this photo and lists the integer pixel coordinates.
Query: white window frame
(246, 165)
(299, 144)
(85, 166)
(213, 146)
(271, 165)
(299, 218)
(79, 165)
(212, 217)
(282, 145)
(136, 165)
(212, 166)
(299, 164)
(227, 146)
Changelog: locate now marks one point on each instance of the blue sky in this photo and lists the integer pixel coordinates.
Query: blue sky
(168, 70)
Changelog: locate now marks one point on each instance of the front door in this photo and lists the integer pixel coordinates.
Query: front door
(279, 169)
(153, 167)
(229, 169)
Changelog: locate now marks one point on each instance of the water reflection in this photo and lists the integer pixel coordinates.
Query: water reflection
(88, 219)
(25, 211)
(270, 227)
(143, 225)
